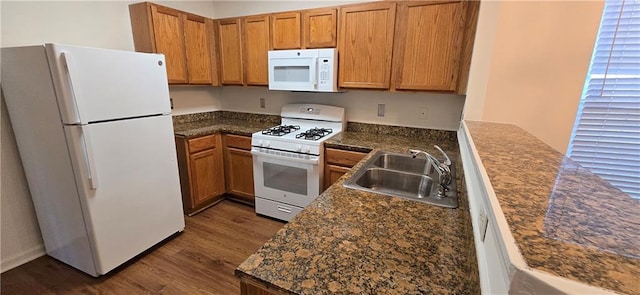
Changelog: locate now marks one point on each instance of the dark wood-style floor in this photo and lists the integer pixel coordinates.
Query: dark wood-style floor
(201, 260)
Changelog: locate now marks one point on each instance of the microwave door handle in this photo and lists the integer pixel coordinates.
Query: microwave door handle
(314, 72)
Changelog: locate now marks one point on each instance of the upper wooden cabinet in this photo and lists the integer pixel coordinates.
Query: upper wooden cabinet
(365, 43)
(230, 42)
(183, 38)
(256, 48)
(285, 30)
(428, 52)
(201, 58)
(319, 28)
(397, 45)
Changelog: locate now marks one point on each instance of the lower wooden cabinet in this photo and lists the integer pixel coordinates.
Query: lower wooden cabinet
(239, 167)
(247, 288)
(200, 162)
(337, 162)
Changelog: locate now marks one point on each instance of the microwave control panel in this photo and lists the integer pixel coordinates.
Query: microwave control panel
(325, 72)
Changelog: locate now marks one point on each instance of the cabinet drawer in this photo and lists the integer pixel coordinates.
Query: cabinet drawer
(342, 157)
(275, 209)
(238, 141)
(201, 143)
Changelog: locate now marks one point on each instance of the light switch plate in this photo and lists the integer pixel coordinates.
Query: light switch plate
(483, 221)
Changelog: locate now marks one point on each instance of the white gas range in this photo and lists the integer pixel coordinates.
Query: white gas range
(288, 159)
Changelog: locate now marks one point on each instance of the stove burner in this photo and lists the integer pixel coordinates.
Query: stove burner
(281, 130)
(314, 133)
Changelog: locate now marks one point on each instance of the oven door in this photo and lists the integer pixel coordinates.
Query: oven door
(289, 180)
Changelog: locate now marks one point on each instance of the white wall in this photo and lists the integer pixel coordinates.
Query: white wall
(530, 70)
(95, 24)
(224, 9)
(443, 110)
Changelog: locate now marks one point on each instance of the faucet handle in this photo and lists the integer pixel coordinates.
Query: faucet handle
(447, 161)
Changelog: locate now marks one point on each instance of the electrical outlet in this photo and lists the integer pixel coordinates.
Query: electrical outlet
(422, 112)
(381, 108)
(262, 103)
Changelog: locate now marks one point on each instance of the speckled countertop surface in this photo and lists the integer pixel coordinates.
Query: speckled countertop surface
(349, 241)
(194, 125)
(566, 221)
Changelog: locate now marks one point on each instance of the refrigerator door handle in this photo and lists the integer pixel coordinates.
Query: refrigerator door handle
(90, 162)
(67, 60)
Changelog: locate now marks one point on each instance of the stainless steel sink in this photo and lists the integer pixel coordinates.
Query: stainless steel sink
(401, 162)
(403, 176)
(396, 182)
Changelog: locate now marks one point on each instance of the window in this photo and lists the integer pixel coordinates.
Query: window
(606, 135)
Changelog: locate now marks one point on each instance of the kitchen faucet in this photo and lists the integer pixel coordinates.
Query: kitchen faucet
(443, 169)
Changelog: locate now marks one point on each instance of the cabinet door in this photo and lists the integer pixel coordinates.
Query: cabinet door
(428, 45)
(197, 50)
(229, 41)
(285, 30)
(169, 39)
(332, 173)
(319, 28)
(206, 176)
(256, 48)
(365, 45)
(239, 170)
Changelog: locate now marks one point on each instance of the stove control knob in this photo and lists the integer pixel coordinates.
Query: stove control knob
(306, 149)
(266, 143)
(298, 148)
(259, 142)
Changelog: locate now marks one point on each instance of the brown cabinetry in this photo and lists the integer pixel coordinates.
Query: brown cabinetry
(315, 28)
(256, 48)
(239, 167)
(396, 45)
(365, 43)
(201, 58)
(230, 42)
(437, 29)
(183, 38)
(319, 28)
(337, 163)
(200, 163)
(249, 288)
(285, 30)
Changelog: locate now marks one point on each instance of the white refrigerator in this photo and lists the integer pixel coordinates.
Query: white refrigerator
(94, 131)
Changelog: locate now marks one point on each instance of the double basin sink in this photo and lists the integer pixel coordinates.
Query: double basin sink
(404, 176)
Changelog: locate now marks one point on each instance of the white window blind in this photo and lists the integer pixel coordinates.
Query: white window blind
(606, 135)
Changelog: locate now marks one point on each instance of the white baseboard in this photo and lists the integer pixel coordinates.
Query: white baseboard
(22, 258)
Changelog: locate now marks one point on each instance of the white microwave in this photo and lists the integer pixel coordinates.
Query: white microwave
(304, 70)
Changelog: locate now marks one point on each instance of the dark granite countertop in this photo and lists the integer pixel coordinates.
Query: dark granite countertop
(210, 126)
(349, 241)
(194, 125)
(565, 220)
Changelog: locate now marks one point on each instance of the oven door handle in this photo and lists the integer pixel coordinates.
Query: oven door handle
(290, 159)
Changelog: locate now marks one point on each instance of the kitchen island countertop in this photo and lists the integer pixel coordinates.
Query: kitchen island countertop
(564, 219)
(349, 241)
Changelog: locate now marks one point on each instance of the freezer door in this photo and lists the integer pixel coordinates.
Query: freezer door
(127, 174)
(95, 85)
